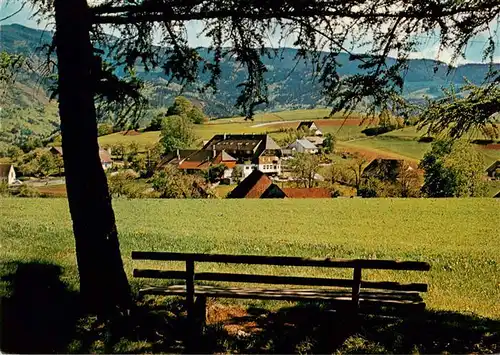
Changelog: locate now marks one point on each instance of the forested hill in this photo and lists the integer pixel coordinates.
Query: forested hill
(287, 88)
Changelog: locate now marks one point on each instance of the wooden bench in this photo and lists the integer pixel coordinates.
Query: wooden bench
(351, 294)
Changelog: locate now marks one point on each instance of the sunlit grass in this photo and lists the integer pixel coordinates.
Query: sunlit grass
(458, 237)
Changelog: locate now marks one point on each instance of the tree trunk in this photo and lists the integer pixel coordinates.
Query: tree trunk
(103, 283)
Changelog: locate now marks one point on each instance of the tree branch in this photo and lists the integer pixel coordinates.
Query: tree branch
(13, 14)
(138, 14)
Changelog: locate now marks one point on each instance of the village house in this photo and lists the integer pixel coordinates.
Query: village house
(193, 160)
(493, 170)
(303, 146)
(310, 192)
(249, 151)
(317, 141)
(7, 174)
(175, 158)
(104, 156)
(259, 185)
(204, 159)
(309, 126)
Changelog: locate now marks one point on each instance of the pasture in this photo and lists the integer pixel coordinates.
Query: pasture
(399, 144)
(458, 237)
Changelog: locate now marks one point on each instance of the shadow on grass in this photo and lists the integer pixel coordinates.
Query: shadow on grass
(316, 329)
(39, 314)
(38, 311)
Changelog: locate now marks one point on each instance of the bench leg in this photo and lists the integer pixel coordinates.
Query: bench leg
(200, 309)
(196, 324)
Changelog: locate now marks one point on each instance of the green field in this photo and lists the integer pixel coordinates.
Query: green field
(240, 125)
(458, 237)
(401, 144)
(407, 148)
(291, 115)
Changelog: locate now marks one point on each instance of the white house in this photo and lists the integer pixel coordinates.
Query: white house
(7, 173)
(310, 126)
(303, 146)
(105, 157)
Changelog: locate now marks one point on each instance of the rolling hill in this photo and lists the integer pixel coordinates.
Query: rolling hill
(291, 84)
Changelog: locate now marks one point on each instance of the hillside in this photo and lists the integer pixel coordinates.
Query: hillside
(291, 85)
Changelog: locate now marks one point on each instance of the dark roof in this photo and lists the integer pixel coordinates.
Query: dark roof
(313, 192)
(56, 150)
(253, 186)
(273, 191)
(4, 170)
(497, 195)
(383, 169)
(242, 146)
(493, 167)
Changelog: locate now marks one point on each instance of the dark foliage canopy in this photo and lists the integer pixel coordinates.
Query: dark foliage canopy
(320, 29)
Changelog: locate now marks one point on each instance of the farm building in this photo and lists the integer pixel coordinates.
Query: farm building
(104, 156)
(203, 159)
(106, 160)
(259, 185)
(384, 169)
(7, 174)
(309, 126)
(317, 141)
(493, 170)
(193, 160)
(303, 146)
(312, 192)
(175, 158)
(249, 151)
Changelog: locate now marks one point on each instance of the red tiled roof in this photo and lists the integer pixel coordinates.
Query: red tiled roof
(313, 192)
(194, 165)
(104, 156)
(253, 186)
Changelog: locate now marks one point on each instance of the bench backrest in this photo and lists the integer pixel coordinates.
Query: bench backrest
(355, 283)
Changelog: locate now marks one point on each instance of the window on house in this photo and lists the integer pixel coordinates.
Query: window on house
(275, 167)
(247, 167)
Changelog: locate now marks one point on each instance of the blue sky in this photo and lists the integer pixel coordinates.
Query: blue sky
(430, 49)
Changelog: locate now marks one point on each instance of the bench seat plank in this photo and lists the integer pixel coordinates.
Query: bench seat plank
(288, 294)
(276, 280)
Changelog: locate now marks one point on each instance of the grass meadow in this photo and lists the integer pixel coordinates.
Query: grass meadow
(458, 237)
(399, 144)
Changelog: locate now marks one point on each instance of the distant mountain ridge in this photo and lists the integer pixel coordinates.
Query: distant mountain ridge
(291, 84)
